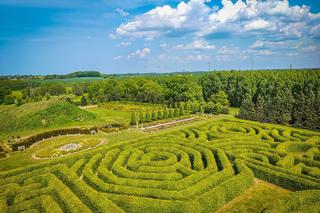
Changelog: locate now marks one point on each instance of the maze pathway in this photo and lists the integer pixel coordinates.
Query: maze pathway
(198, 169)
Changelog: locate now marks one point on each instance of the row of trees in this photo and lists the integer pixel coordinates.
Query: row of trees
(286, 97)
(153, 116)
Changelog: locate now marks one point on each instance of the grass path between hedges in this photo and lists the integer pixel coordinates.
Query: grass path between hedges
(255, 199)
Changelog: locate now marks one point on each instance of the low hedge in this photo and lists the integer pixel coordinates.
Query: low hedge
(27, 142)
(303, 201)
(288, 181)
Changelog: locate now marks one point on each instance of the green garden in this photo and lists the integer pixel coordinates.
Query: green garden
(197, 168)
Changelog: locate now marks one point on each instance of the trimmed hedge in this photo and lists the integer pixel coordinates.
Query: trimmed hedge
(27, 142)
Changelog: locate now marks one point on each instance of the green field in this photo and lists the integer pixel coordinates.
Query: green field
(33, 118)
(215, 164)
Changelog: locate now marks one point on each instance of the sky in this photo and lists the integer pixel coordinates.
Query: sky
(130, 36)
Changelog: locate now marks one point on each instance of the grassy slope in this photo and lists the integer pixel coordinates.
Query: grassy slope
(34, 117)
(258, 197)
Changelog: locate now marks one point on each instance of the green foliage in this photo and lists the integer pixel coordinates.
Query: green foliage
(147, 118)
(304, 201)
(220, 98)
(195, 169)
(8, 99)
(141, 118)
(159, 115)
(83, 101)
(54, 114)
(153, 116)
(133, 120)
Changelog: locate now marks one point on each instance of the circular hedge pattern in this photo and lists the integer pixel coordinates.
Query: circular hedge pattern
(198, 169)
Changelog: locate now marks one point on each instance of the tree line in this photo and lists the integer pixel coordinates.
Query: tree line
(284, 97)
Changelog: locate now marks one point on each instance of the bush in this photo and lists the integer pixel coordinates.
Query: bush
(27, 142)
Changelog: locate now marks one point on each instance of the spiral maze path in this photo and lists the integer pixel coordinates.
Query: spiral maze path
(198, 169)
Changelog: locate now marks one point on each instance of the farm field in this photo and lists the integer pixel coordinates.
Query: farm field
(229, 165)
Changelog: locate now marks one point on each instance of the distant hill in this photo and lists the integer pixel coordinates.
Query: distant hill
(41, 115)
(78, 74)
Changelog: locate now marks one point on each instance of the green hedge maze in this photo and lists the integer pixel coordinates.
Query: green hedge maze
(197, 169)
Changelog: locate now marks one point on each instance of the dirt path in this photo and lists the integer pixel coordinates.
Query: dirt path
(88, 107)
(99, 144)
(249, 193)
(169, 123)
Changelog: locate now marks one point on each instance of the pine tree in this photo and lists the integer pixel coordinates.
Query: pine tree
(310, 113)
(220, 97)
(159, 116)
(148, 117)
(259, 108)
(83, 101)
(141, 118)
(181, 109)
(171, 113)
(176, 112)
(165, 114)
(133, 119)
(247, 110)
(154, 116)
(298, 110)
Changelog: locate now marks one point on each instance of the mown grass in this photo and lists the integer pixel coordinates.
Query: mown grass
(255, 199)
(36, 117)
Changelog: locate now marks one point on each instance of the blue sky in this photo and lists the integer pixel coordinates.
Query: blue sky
(129, 36)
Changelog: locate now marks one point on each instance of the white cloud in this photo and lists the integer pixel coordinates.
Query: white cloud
(140, 53)
(198, 57)
(225, 50)
(125, 43)
(241, 19)
(122, 12)
(163, 45)
(116, 58)
(197, 45)
(259, 24)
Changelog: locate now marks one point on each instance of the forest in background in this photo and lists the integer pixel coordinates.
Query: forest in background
(290, 97)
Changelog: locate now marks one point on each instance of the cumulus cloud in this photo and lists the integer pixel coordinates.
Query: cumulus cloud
(163, 45)
(122, 12)
(198, 57)
(125, 43)
(197, 45)
(140, 53)
(274, 19)
(116, 58)
(225, 50)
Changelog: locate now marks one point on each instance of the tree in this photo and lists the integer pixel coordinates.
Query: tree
(78, 89)
(165, 114)
(8, 99)
(220, 97)
(147, 118)
(159, 116)
(83, 101)
(217, 108)
(183, 88)
(171, 113)
(209, 108)
(247, 110)
(141, 118)
(47, 96)
(176, 112)
(259, 108)
(154, 116)
(181, 109)
(19, 101)
(133, 119)
(298, 110)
